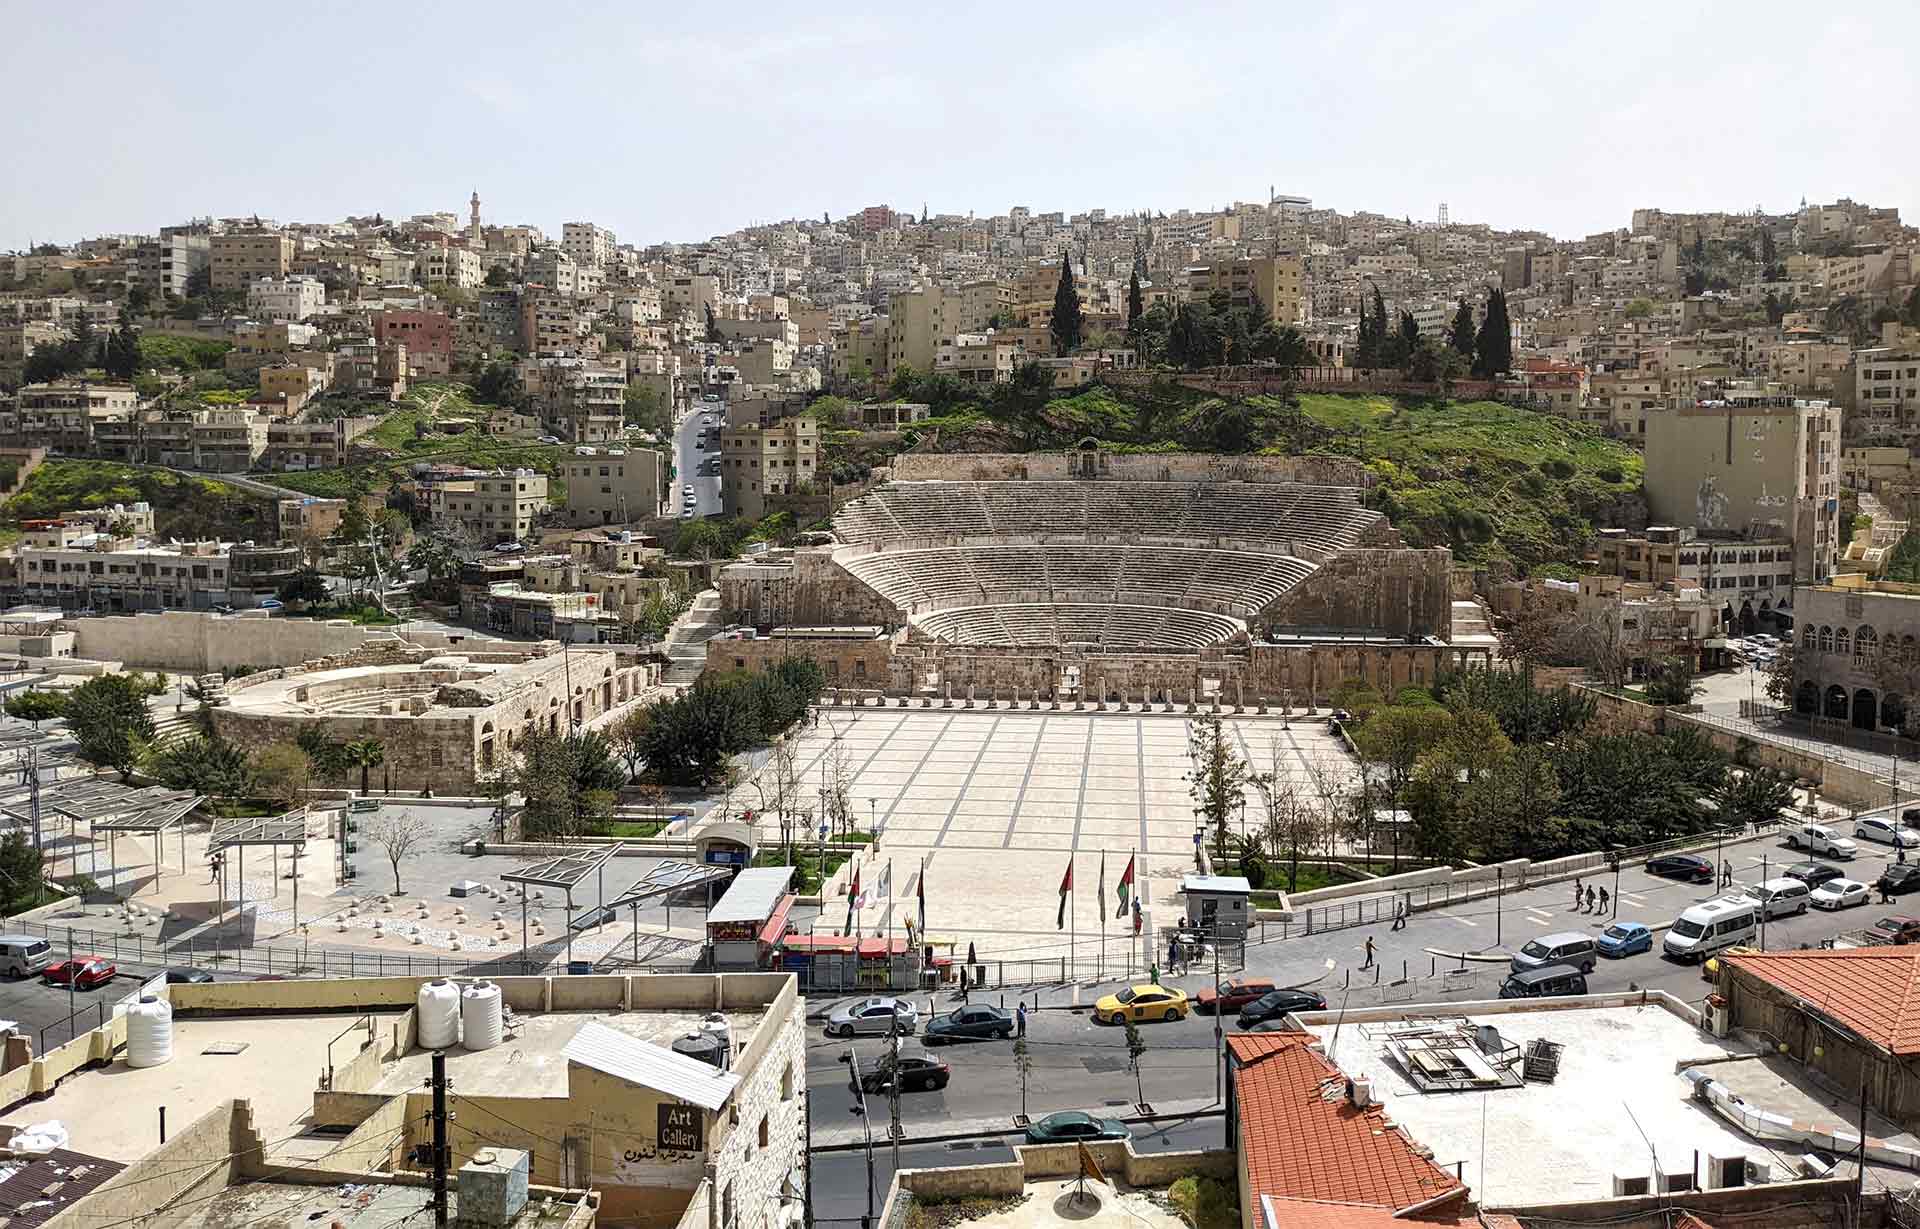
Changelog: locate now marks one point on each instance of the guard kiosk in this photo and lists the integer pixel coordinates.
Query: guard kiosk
(1217, 904)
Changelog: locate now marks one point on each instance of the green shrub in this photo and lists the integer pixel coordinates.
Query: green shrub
(1206, 1203)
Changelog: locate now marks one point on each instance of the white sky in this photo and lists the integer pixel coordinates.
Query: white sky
(677, 121)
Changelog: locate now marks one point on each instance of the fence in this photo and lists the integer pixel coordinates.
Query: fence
(1025, 975)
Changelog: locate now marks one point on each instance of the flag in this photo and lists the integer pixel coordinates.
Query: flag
(1125, 889)
(920, 894)
(883, 890)
(1066, 889)
(1100, 889)
(853, 900)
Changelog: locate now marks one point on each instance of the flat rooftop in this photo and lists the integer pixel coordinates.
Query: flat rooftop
(528, 1063)
(276, 1063)
(373, 1205)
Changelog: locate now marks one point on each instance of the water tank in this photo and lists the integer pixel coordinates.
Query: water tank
(437, 1014)
(706, 1047)
(714, 1024)
(149, 1032)
(480, 1016)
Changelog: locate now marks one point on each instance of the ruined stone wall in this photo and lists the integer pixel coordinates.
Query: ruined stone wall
(861, 663)
(1384, 592)
(1130, 467)
(439, 752)
(201, 642)
(811, 591)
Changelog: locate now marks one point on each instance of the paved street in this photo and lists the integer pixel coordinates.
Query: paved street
(688, 459)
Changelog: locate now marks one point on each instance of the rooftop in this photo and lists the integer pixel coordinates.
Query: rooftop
(1875, 991)
(370, 1205)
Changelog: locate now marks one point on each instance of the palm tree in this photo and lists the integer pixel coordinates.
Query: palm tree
(364, 754)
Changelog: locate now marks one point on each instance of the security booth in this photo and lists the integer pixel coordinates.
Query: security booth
(745, 927)
(1217, 904)
(729, 844)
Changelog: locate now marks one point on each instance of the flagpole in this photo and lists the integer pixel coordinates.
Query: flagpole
(1100, 965)
(1073, 922)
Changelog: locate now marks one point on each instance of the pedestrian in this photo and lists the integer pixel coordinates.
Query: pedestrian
(1400, 914)
(1726, 874)
(1886, 897)
(1020, 1019)
(1368, 963)
(1576, 892)
(1900, 854)
(1153, 974)
(1591, 902)
(1173, 956)
(1603, 900)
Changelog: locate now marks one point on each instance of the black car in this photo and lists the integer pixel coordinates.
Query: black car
(1813, 874)
(1691, 867)
(187, 977)
(915, 1072)
(1898, 879)
(977, 1022)
(1279, 1003)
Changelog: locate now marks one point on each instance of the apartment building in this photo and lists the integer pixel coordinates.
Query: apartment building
(313, 445)
(585, 400)
(75, 567)
(587, 244)
(1748, 577)
(980, 303)
(442, 264)
(19, 341)
(258, 345)
(613, 486)
(758, 462)
(691, 295)
(371, 370)
(236, 261)
(289, 386)
(1752, 465)
(164, 265)
(1625, 398)
(63, 415)
(286, 298)
(228, 441)
(1817, 367)
(554, 270)
(1886, 394)
(762, 362)
(548, 321)
(860, 350)
(979, 358)
(917, 322)
(488, 508)
(428, 337)
(1279, 281)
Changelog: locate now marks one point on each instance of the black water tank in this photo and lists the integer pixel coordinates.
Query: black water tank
(709, 1048)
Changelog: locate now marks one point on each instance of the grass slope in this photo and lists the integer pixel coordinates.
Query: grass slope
(183, 507)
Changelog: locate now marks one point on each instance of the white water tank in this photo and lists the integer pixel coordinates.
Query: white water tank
(437, 1014)
(714, 1024)
(480, 1016)
(149, 1032)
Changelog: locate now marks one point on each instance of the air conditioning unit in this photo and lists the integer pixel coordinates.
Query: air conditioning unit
(1759, 1173)
(1360, 1092)
(1631, 1184)
(1814, 1165)
(1725, 1171)
(1674, 1183)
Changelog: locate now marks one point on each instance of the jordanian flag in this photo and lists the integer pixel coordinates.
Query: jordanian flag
(853, 898)
(1125, 890)
(1066, 890)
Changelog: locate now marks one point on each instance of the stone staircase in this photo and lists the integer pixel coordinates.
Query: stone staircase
(1472, 626)
(686, 642)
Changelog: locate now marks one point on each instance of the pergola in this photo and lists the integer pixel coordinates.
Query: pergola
(564, 873)
(270, 830)
(144, 812)
(663, 881)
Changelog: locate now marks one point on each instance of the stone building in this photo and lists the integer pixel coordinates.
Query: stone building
(1857, 662)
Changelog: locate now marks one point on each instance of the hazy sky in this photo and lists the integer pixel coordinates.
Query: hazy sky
(676, 122)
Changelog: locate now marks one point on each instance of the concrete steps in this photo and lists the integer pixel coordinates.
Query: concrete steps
(686, 642)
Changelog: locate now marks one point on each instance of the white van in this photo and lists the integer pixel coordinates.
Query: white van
(1781, 897)
(1710, 927)
(24, 955)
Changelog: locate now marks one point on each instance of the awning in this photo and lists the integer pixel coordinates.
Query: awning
(776, 926)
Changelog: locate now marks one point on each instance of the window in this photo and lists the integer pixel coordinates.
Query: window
(763, 1130)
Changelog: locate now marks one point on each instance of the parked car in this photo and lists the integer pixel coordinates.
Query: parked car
(1566, 947)
(1232, 995)
(549, 439)
(977, 1022)
(915, 1071)
(1278, 1004)
(1840, 894)
(1624, 939)
(270, 603)
(1691, 867)
(878, 1015)
(1898, 929)
(1142, 1002)
(24, 955)
(1782, 897)
(1072, 1126)
(1885, 831)
(1813, 874)
(85, 972)
(1898, 879)
(1820, 839)
(1547, 981)
(510, 548)
(188, 977)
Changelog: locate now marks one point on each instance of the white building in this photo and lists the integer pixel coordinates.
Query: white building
(286, 298)
(587, 244)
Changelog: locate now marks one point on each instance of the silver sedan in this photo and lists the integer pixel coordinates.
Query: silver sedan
(875, 1016)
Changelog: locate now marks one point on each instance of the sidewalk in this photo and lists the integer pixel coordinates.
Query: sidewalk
(854, 1135)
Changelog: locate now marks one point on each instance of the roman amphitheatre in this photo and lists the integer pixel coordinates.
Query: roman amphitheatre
(1015, 646)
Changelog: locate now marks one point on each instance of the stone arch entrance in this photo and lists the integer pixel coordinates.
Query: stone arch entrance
(1748, 623)
(1866, 710)
(1807, 698)
(1836, 706)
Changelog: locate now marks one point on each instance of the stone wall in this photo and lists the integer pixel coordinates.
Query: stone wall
(854, 662)
(806, 589)
(204, 643)
(1130, 467)
(1384, 592)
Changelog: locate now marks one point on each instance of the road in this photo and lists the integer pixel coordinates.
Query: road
(691, 463)
(1082, 1065)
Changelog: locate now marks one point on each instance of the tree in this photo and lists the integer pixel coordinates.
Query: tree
(1493, 344)
(629, 737)
(778, 785)
(305, 588)
(1136, 302)
(1022, 1057)
(36, 706)
(204, 764)
(1394, 738)
(366, 754)
(497, 277)
(1290, 825)
(1217, 782)
(1136, 1050)
(1912, 310)
(1780, 673)
(282, 772)
(22, 874)
(569, 779)
(1755, 796)
(398, 831)
(1460, 337)
(1670, 681)
(109, 719)
(1068, 325)
(120, 353)
(645, 407)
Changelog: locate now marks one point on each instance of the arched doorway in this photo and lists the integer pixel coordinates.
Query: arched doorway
(1866, 710)
(1807, 698)
(1748, 624)
(1836, 706)
(1893, 711)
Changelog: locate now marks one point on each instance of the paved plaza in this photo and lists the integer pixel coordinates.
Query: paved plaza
(996, 802)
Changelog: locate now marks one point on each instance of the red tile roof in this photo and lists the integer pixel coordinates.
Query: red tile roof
(1303, 1143)
(1875, 991)
(1314, 1214)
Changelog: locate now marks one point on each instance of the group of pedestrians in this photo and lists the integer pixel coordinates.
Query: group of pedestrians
(1588, 900)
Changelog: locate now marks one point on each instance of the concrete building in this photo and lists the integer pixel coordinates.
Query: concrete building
(64, 415)
(1756, 466)
(614, 486)
(978, 358)
(587, 244)
(75, 567)
(286, 298)
(228, 441)
(428, 337)
(1279, 281)
(488, 508)
(1857, 661)
(583, 400)
(1750, 578)
(548, 321)
(163, 266)
(444, 264)
(19, 340)
(690, 295)
(1886, 394)
(236, 261)
(756, 463)
(917, 322)
(313, 445)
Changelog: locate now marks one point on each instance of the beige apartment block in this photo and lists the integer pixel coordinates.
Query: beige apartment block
(1280, 281)
(489, 508)
(1886, 394)
(236, 261)
(756, 463)
(613, 486)
(917, 322)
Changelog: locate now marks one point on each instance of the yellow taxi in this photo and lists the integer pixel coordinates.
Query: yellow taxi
(1143, 1002)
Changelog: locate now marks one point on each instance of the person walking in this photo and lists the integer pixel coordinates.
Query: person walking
(1603, 900)
(1726, 874)
(1020, 1019)
(1368, 963)
(1153, 974)
(1591, 901)
(1400, 915)
(1576, 892)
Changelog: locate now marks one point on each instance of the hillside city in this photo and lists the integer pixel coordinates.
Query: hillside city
(1139, 712)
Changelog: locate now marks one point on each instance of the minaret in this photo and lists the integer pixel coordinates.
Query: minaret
(473, 223)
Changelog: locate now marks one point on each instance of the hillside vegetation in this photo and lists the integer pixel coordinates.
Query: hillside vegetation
(185, 508)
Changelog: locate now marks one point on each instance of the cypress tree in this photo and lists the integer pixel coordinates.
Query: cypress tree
(1136, 303)
(1068, 324)
(1461, 338)
(1493, 346)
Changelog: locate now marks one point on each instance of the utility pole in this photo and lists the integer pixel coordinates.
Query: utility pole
(860, 1108)
(1219, 1036)
(893, 1096)
(440, 1150)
